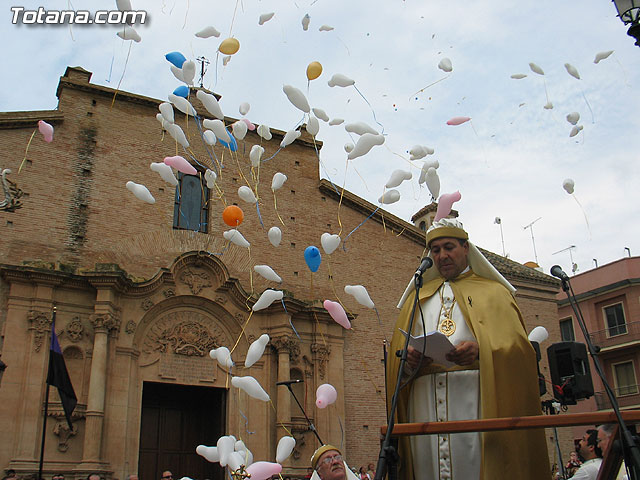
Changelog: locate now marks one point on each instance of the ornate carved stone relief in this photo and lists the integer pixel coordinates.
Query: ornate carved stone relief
(62, 431)
(308, 366)
(40, 324)
(196, 280)
(321, 353)
(130, 327)
(292, 345)
(74, 330)
(182, 333)
(105, 322)
(147, 303)
(169, 292)
(10, 199)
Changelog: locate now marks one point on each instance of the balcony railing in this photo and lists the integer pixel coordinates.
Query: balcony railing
(627, 396)
(610, 337)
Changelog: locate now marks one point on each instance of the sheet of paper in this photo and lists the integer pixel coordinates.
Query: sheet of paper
(438, 345)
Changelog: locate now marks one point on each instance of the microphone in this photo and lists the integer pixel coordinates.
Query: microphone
(289, 382)
(424, 265)
(557, 271)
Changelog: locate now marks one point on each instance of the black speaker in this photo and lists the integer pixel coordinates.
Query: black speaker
(570, 372)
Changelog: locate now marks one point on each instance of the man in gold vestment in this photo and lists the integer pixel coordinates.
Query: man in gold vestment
(493, 374)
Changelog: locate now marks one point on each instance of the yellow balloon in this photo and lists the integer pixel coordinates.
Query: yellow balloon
(314, 69)
(229, 46)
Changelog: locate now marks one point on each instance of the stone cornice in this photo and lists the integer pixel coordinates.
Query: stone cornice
(30, 119)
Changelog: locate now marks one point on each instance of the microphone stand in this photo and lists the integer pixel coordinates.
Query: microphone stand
(388, 457)
(312, 427)
(630, 448)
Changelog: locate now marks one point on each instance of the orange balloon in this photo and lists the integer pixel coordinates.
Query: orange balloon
(232, 215)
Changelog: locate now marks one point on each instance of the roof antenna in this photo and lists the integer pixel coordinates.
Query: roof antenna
(203, 69)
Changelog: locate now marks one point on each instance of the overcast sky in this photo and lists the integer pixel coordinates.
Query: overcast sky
(509, 161)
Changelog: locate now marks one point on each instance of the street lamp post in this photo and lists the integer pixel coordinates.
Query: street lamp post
(629, 13)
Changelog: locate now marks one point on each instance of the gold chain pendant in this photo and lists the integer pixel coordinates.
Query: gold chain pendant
(447, 327)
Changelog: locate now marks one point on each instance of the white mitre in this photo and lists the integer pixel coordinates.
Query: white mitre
(447, 227)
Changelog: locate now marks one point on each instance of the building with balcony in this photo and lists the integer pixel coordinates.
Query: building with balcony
(609, 298)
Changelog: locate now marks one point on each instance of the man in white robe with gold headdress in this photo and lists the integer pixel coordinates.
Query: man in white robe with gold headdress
(465, 298)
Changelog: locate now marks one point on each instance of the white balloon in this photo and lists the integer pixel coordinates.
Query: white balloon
(339, 80)
(178, 135)
(305, 22)
(208, 32)
(433, 182)
(364, 144)
(226, 59)
(329, 242)
(360, 294)
(256, 349)
(275, 236)
(336, 121)
(239, 129)
(602, 55)
(425, 168)
(397, 177)
(209, 137)
(211, 177)
(182, 104)
(573, 71)
(278, 180)
(536, 69)
(285, 447)
(267, 272)
(225, 448)
(264, 132)
(234, 236)
(129, 33)
(165, 172)
(235, 460)
(209, 453)
(289, 137)
(548, 106)
(162, 121)
(321, 114)
(210, 102)
(177, 72)
(313, 126)
(445, 65)
(141, 192)
(188, 72)
(575, 130)
(419, 151)
(568, 185)
(389, 197)
(324, 28)
(267, 298)
(297, 98)
(538, 334)
(244, 108)
(359, 128)
(265, 17)
(222, 355)
(255, 155)
(251, 386)
(123, 5)
(573, 118)
(166, 109)
(348, 147)
(246, 194)
(218, 128)
(518, 76)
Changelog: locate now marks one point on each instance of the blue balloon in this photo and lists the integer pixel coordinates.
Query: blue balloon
(232, 145)
(182, 91)
(312, 257)
(176, 58)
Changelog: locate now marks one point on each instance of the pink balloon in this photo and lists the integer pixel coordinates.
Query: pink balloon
(180, 164)
(325, 395)
(250, 125)
(458, 120)
(337, 313)
(445, 203)
(46, 130)
(263, 470)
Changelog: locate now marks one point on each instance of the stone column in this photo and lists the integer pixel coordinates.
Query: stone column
(103, 324)
(283, 406)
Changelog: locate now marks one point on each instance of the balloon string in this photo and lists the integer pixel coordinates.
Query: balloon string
(277, 151)
(344, 242)
(241, 333)
(341, 195)
(372, 110)
(260, 216)
(324, 341)
(206, 147)
(27, 150)
(233, 19)
(593, 120)
(583, 213)
(430, 85)
(275, 205)
(333, 287)
(281, 424)
(123, 72)
(290, 322)
(246, 422)
(361, 178)
(380, 323)
(323, 166)
(113, 57)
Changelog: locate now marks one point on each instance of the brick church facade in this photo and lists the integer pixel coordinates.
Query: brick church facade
(140, 300)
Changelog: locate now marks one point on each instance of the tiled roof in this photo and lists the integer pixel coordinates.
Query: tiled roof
(512, 269)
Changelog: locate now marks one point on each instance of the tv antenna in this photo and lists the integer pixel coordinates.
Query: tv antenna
(530, 226)
(498, 221)
(574, 266)
(203, 69)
